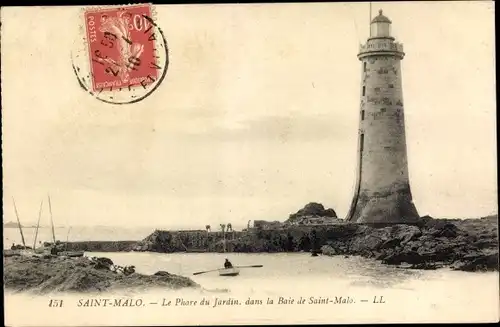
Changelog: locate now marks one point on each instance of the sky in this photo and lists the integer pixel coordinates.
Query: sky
(257, 115)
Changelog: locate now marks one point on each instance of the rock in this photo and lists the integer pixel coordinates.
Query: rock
(410, 257)
(312, 209)
(448, 230)
(372, 242)
(102, 263)
(422, 246)
(477, 262)
(405, 233)
(143, 247)
(426, 266)
(57, 274)
(390, 243)
(328, 250)
(162, 273)
(329, 213)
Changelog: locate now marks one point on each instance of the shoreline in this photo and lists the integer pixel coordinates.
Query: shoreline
(467, 245)
(48, 274)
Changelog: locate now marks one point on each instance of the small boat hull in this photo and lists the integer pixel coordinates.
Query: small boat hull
(27, 253)
(71, 254)
(229, 272)
(31, 253)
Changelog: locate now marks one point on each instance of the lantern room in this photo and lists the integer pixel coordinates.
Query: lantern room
(380, 26)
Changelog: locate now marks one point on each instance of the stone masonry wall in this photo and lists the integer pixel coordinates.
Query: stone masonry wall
(383, 192)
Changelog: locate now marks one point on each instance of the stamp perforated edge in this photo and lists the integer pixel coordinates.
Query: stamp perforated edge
(83, 10)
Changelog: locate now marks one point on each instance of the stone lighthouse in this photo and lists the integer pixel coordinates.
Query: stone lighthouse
(382, 193)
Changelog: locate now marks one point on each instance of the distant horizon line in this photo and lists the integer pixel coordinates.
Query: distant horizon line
(200, 226)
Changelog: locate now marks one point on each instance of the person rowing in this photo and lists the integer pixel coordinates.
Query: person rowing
(228, 264)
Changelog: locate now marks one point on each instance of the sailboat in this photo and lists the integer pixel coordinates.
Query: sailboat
(40, 251)
(26, 250)
(54, 244)
(19, 225)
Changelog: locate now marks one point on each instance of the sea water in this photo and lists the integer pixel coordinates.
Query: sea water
(303, 289)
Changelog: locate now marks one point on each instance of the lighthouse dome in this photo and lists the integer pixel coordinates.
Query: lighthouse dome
(380, 26)
(381, 18)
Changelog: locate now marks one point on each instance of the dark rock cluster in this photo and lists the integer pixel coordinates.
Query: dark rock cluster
(312, 209)
(462, 244)
(469, 245)
(186, 241)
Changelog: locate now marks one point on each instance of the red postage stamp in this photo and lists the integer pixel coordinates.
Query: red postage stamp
(121, 46)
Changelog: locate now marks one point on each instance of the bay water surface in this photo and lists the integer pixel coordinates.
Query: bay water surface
(402, 295)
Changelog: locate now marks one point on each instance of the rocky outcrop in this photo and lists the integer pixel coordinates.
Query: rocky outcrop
(469, 245)
(313, 214)
(61, 274)
(186, 241)
(158, 241)
(312, 209)
(482, 261)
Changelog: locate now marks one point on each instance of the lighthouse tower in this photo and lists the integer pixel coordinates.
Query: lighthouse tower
(382, 193)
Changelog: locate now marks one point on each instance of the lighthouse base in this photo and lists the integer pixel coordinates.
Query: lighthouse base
(394, 207)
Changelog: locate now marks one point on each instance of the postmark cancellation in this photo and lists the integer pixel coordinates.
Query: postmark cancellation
(120, 55)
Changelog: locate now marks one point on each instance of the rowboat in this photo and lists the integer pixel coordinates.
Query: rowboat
(31, 253)
(234, 271)
(71, 254)
(229, 272)
(27, 252)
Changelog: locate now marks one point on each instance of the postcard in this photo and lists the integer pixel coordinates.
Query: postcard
(272, 163)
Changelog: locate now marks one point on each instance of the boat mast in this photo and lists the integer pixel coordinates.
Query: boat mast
(52, 221)
(38, 224)
(19, 223)
(67, 239)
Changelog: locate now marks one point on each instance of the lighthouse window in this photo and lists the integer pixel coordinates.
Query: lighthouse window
(362, 115)
(364, 66)
(364, 90)
(362, 141)
(391, 86)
